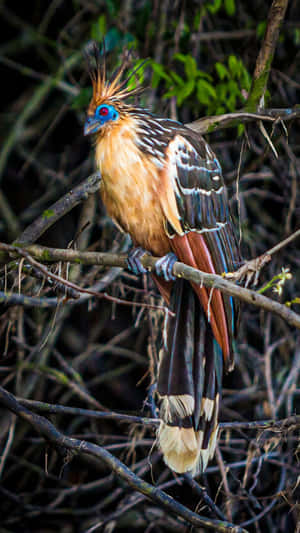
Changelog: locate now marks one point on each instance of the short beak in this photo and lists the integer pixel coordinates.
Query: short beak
(91, 125)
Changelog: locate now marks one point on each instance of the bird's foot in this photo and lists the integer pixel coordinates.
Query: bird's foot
(249, 271)
(164, 266)
(134, 261)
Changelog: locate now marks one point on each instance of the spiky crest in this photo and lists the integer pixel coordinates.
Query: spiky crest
(113, 89)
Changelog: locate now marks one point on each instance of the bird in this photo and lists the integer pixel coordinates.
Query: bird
(162, 184)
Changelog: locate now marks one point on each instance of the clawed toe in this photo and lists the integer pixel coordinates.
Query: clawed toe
(164, 266)
(134, 261)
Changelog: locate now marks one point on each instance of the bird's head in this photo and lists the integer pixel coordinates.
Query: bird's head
(107, 104)
(98, 117)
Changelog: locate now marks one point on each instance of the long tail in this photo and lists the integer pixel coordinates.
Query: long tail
(189, 384)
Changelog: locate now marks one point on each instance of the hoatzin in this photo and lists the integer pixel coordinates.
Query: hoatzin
(163, 185)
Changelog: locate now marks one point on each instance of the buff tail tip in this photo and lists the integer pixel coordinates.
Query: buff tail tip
(183, 449)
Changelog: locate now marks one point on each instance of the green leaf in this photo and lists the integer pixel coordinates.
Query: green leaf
(221, 90)
(245, 80)
(214, 6)
(261, 28)
(240, 129)
(98, 29)
(220, 110)
(205, 92)
(139, 76)
(111, 8)
(158, 74)
(185, 92)
(191, 67)
(229, 7)
(115, 39)
(129, 40)
(204, 75)
(171, 92)
(222, 71)
(112, 39)
(233, 87)
(296, 36)
(180, 57)
(198, 17)
(234, 65)
(178, 79)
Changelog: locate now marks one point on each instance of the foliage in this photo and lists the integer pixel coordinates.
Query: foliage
(214, 6)
(277, 282)
(225, 91)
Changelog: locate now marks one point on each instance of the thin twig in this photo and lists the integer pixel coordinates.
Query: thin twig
(257, 517)
(283, 243)
(32, 105)
(51, 434)
(8, 444)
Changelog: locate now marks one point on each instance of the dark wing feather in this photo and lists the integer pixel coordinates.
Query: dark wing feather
(200, 216)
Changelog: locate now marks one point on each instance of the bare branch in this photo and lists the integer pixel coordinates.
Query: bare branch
(289, 423)
(60, 208)
(265, 56)
(231, 120)
(180, 270)
(51, 434)
(71, 285)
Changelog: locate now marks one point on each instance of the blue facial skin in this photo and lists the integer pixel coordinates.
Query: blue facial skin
(104, 113)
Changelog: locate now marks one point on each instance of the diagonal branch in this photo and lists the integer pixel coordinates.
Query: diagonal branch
(60, 208)
(51, 434)
(265, 56)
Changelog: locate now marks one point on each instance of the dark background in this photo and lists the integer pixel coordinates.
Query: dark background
(98, 351)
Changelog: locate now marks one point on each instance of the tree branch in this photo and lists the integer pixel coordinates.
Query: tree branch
(180, 270)
(60, 208)
(265, 56)
(290, 423)
(51, 434)
(231, 120)
(259, 84)
(69, 284)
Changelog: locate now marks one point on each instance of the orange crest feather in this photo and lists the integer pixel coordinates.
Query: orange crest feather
(113, 89)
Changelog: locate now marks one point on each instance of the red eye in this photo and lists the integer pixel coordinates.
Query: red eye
(103, 111)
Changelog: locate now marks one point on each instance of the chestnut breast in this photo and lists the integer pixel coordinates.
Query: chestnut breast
(131, 188)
